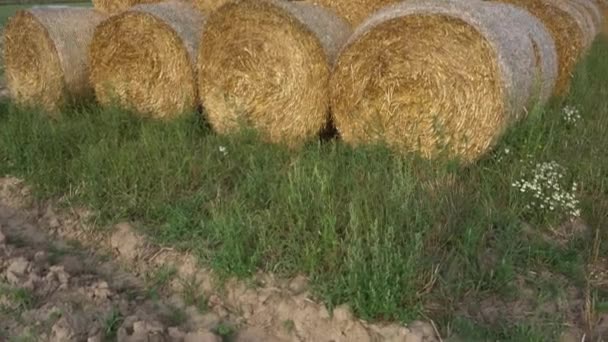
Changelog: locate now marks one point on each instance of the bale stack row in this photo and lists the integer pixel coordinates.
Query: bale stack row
(435, 77)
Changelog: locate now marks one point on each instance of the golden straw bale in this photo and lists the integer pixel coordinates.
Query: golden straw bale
(45, 55)
(354, 11)
(566, 32)
(266, 65)
(143, 59)
(433, 77)
(117, 6)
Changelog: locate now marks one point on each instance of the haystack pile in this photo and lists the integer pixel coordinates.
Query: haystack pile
(434, 77)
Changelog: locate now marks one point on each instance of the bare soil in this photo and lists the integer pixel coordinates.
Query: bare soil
(63, 279)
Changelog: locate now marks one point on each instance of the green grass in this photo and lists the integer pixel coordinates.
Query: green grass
(20, 299)
(386, 234)
(158, 280)
(111, 323)
(192, 296)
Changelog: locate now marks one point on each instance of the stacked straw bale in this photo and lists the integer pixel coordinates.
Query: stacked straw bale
(143, 59)
(569, 37)
(433, 77)
(354, 11)
(592, 9)
(582, 18)
(544, 51)
(265, 65)
(45, 55)
(117, 6)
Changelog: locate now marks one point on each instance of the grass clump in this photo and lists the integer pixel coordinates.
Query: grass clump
(396, 237)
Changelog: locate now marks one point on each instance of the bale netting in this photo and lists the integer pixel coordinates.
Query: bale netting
(117, 6)
(592, 8)
(143, 59)
(265, 65)
(45, 55)
(581, 16)
(438, 78)
(354, 11)
(568, 36)
(544, 50)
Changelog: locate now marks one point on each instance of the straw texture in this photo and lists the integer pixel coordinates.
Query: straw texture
(567, 34)
(433, 77)
(544, 49)
(265, 65)
(117, 6)
(593, 9)
(582, 18)
(207, 6)
(354, 11)
(45, 55)
(143, 59)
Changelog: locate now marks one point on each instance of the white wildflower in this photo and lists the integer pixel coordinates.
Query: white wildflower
(544, 184)
(571, 114)
(223, 150)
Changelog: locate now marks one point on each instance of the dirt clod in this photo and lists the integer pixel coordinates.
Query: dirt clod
(298, 285)
(62, 331)
(343, 313)
(126, 242)
(202, 336)
(16, 270)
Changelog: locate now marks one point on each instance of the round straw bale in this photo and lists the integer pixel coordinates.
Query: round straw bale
(45, 55)
(208, 6)
(580, 15)
(433, 77)
(266, 65)
(143, 59)
(593, 9)
(354, 11)
(117, 6)
(544, 49)
(567, 34)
